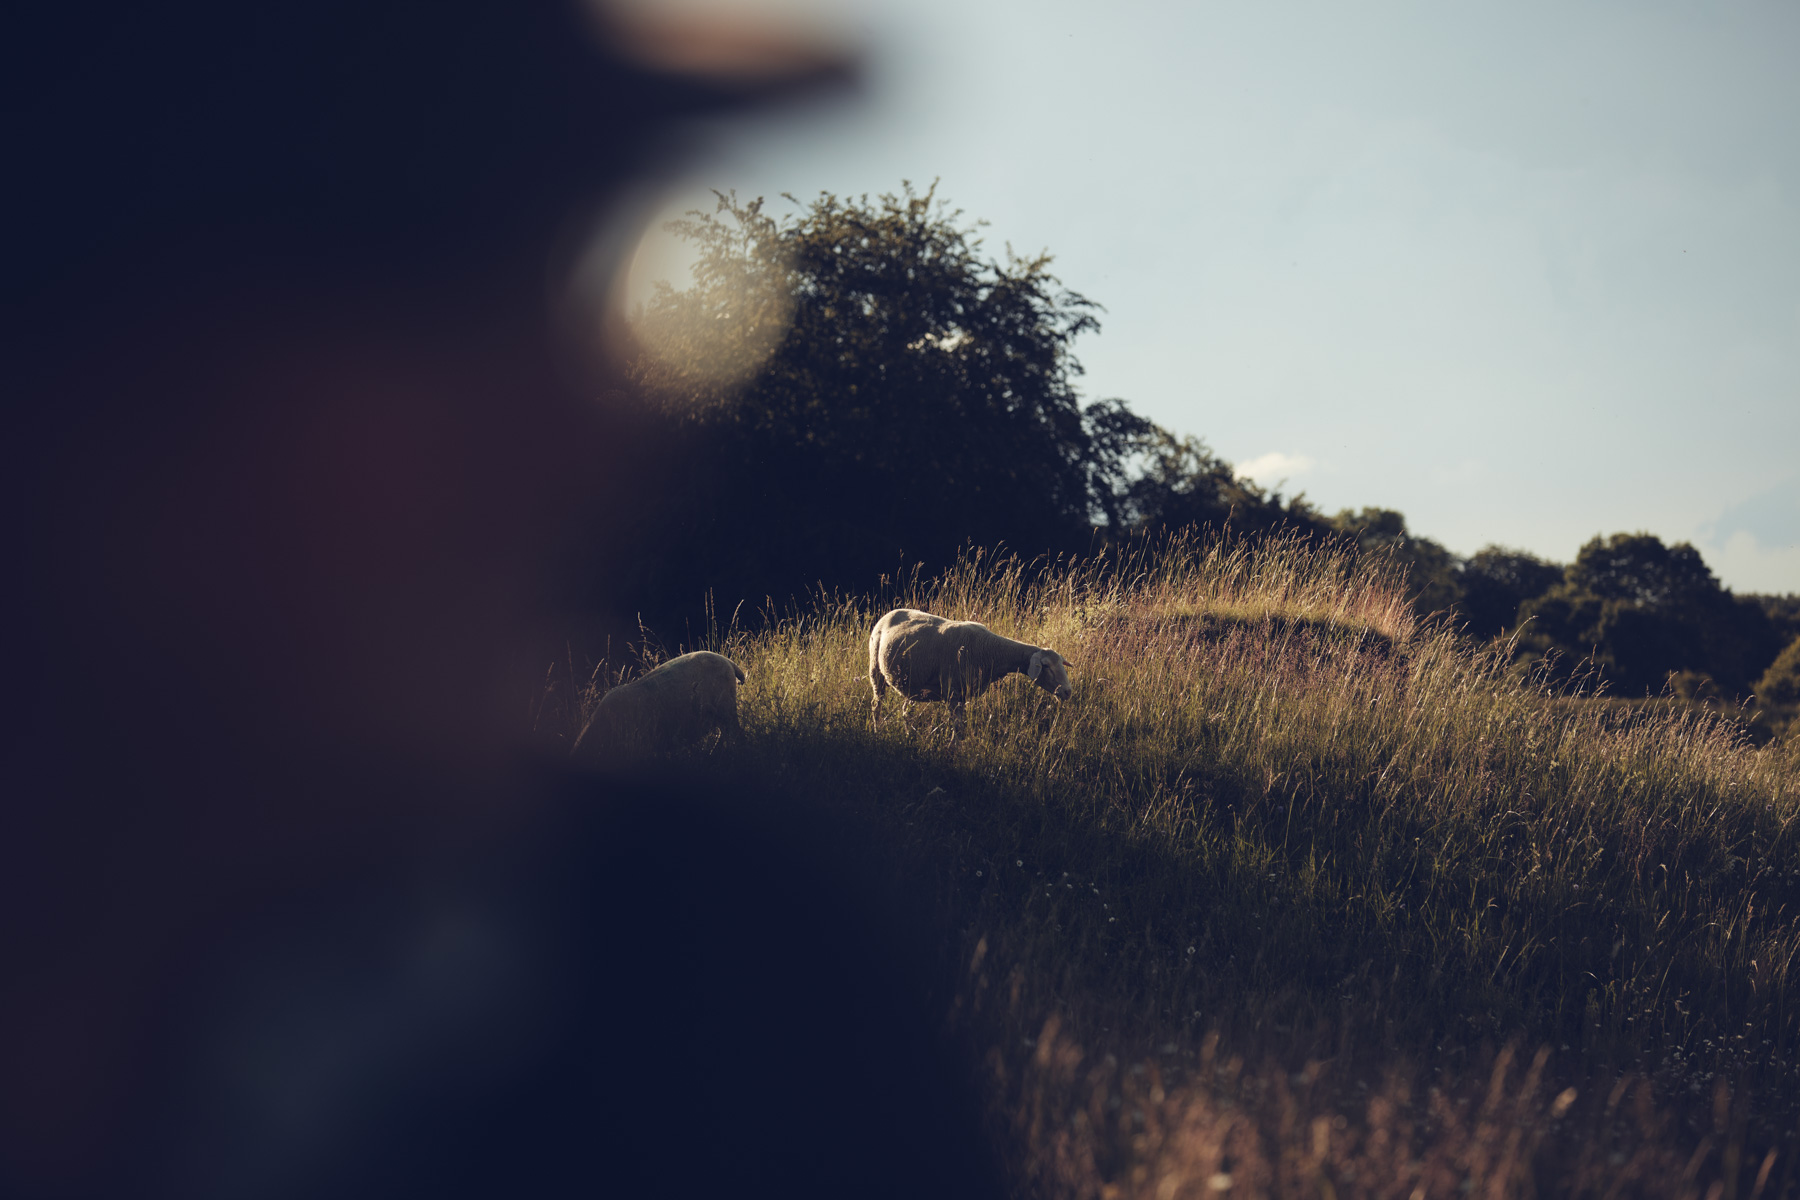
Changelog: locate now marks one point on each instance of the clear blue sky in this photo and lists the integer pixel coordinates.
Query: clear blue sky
(1526, 272)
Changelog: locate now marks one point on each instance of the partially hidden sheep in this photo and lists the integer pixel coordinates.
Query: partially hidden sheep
(926, 657)
(681, 701)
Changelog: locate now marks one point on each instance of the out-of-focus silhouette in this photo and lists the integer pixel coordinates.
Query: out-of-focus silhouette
(287, 909)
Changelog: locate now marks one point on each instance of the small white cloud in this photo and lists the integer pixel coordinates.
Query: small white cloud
(1274, 466)
(1744, 564)
(1771, 516)
(1754, 545)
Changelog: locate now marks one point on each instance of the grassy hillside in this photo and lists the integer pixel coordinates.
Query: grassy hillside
(1297, 894)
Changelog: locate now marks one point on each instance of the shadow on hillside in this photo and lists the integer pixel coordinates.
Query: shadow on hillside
(1302, 927)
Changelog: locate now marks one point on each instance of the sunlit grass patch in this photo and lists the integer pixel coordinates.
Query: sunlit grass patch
(1281, 813)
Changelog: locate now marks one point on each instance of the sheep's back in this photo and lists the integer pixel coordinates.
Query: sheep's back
(680, 698)
(918, 649)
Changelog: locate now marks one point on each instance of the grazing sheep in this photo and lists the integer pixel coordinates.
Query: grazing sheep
(926, 657)
(684, 699)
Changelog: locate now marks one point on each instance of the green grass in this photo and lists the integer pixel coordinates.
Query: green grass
(1274, 896)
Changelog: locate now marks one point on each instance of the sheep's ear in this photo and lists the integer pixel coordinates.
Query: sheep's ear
(1037, 666)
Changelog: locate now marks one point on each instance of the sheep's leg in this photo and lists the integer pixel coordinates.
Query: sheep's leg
(959, 722)
(878, 685)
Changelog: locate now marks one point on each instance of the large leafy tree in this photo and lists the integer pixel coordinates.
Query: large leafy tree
(859, 382)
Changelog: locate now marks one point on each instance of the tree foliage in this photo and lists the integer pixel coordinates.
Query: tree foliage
(1496, 581)
(1180, 482)
(1644, 611)
(1780, 684)
(859, 382)
(1637, 569)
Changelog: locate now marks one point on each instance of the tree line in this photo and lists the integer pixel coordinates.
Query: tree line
(858, 387)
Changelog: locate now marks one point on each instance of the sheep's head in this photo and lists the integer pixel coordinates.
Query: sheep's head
(1050, 672)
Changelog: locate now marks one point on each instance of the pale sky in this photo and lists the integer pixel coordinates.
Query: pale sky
(1526, 272)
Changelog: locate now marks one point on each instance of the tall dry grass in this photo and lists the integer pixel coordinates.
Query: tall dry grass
(1310, 868)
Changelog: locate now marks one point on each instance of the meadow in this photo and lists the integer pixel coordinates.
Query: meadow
(1301, 895)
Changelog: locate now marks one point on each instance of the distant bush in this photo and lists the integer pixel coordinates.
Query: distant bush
(1644, 611)
(1496, 583)
(1181, 484)
(1778, 691)
(1780, 684)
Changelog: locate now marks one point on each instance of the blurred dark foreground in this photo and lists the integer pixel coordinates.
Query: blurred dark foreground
(623, 990)
(287, 907)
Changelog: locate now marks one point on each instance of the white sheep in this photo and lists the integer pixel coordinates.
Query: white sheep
(926, 657)
(684, 699)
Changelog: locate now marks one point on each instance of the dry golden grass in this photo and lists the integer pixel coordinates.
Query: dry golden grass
(1271, 904)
